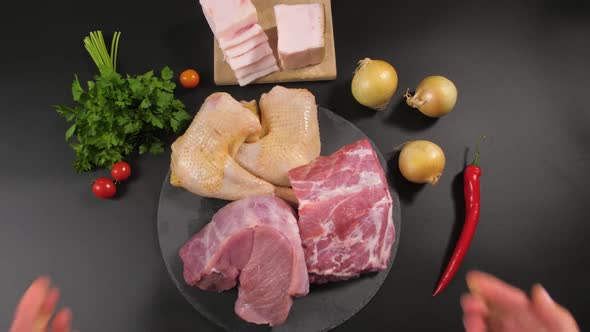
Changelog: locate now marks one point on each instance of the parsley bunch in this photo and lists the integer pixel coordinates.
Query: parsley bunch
(118, 114)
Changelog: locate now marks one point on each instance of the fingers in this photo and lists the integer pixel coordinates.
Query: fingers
(62, 321)
(46, 310)
(511, 307)
(30, 304)
(474, 323)
(474, 313)
(50, 301)
(36, 307)
(496, 293)
(557, 318)
(472, 304)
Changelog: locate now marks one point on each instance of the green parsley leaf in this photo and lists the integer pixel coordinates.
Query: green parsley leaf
(135, 85)
(157, 122)
(143, 148)
(76, 89)
(70, 132)
(145, 104)
(118, 115)
(157, 147)
(167, 74)
(179, 118)
(164, 100)
(65, 112)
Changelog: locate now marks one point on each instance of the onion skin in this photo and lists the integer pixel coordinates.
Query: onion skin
(435, 96)
(422, 162)
(374, 83)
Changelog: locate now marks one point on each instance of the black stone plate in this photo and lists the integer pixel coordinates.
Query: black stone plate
(182, 214)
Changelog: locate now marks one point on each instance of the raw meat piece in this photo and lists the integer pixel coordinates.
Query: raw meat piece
(249, 57)
(266, 270)
(256, 233)
(202, 158)
(228, 18)
(201, 253)
(291, 135)
(345, 213)
(244, 47)
(243, 35)
(266, 62)
(254, 76)
(300, 31)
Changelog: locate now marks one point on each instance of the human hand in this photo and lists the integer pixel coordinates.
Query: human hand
(494, 306)
(36, 307)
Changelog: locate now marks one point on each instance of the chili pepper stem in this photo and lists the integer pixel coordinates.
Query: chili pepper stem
(476, 159)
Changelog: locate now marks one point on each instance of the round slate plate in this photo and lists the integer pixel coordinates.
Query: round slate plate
(182, 214)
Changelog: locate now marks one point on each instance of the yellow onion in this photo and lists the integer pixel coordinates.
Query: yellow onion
(435, 96)
(422, 162)
(374, 83)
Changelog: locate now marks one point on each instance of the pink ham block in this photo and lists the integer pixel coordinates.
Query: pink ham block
(300, 30)
(246, 46)
(243, 35)
(249, 57)
(227, 18)
(254, 76)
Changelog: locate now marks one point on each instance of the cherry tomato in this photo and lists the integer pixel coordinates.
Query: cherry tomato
(189, 78)
(121, 171)
(104, 188)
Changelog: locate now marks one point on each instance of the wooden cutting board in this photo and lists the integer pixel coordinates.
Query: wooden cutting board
(326, 70)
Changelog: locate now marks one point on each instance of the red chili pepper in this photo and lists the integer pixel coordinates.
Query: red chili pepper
(471, 191)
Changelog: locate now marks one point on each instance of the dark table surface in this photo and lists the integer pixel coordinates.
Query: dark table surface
(522, 73)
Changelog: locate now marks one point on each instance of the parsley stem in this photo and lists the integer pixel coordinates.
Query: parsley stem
(98, 43)
(115, 49)
(96, 47)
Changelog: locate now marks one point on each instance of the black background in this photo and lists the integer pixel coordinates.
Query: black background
(522, 73)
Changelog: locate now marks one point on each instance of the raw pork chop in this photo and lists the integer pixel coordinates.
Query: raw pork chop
(345, 213)
(300, 30)
(257, 240)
